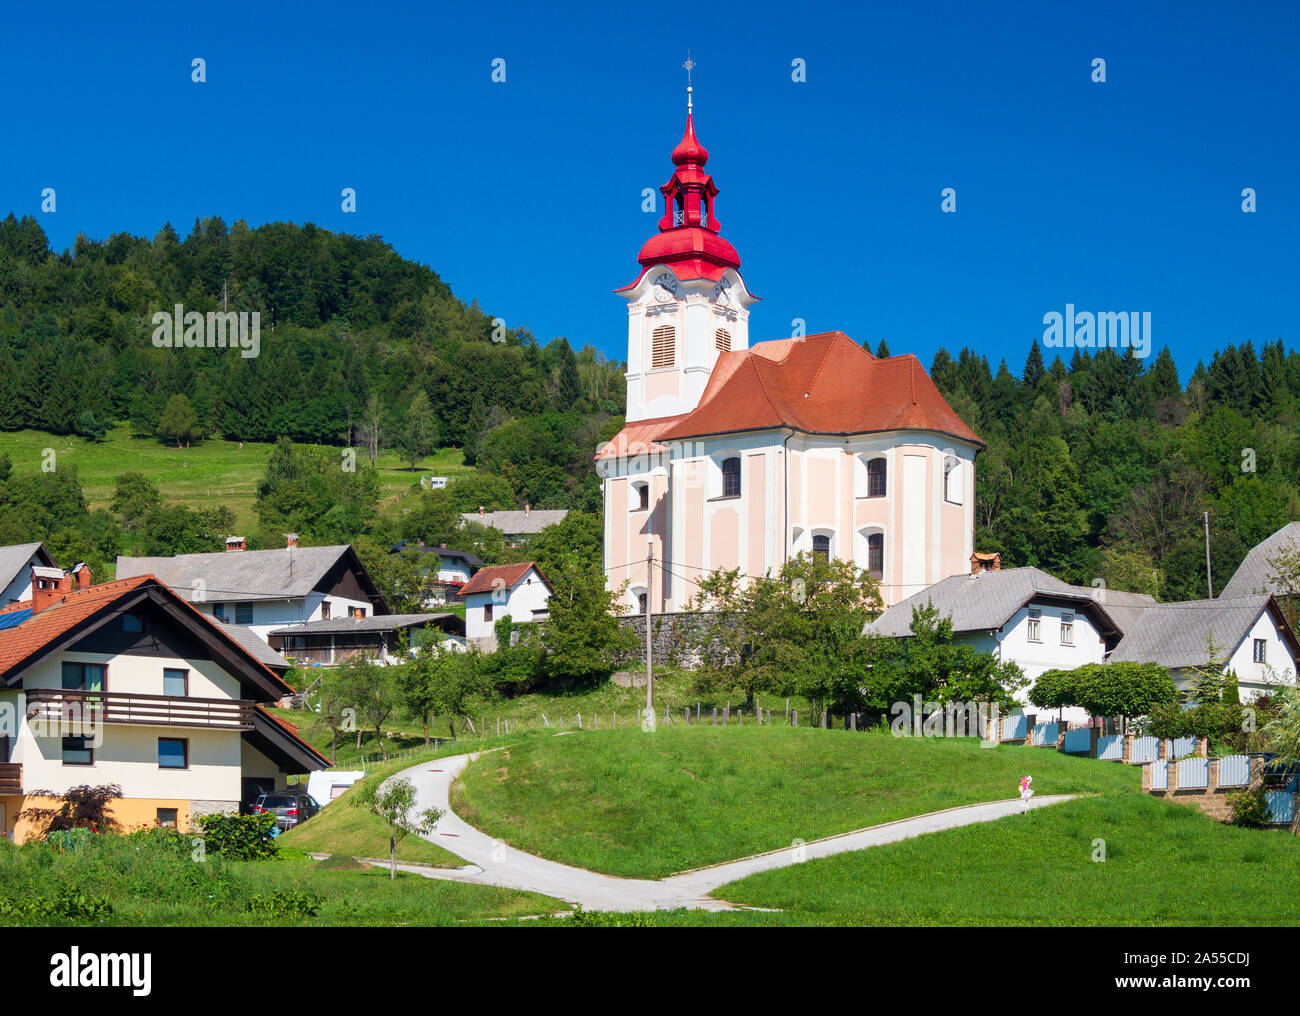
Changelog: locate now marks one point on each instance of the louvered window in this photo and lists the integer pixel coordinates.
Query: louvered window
(663, 341)
(722, 339)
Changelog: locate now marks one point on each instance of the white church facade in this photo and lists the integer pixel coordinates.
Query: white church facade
(742, 456)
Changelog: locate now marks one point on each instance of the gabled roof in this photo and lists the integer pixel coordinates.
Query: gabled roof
(83, 611)
(485, 580)
(1253, 575)
(382, 622)
(279, 574)
(529, 522)
(986, 600)
(821, 384)
(257, 646)
(15, 558)
(1177, 635)
(279, 741)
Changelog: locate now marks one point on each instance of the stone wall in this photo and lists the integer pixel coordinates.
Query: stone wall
(680, 638)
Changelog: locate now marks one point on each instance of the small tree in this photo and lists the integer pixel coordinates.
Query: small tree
(393, 801)
(179, 421)
(440, 682)
(582, 635)
(419, 435)
(80, 807)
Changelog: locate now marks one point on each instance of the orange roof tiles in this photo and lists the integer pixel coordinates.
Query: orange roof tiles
(485, 579)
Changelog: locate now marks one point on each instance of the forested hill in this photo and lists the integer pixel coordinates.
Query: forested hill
(1102, 467)
(350, 333)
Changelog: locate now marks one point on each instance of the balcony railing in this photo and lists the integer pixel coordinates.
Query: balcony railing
(69, 708)
(11, 778)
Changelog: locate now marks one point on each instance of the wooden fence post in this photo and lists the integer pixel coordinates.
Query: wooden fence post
(794, 718)
(715, 716)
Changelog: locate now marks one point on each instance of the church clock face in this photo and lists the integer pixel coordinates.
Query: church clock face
(722, 292)
(665, 287)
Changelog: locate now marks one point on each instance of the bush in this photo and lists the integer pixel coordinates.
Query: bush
(69, 841)
(1249, 808)
(293, 902)
(241, 837)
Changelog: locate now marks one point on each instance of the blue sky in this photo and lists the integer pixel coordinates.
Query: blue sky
(526, 195)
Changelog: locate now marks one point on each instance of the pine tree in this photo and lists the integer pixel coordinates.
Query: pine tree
(882, 350)
(1034, 370)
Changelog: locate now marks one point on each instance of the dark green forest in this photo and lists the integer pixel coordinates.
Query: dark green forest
(1099, 467)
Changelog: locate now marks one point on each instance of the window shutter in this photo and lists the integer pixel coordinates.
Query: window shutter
(662, 343)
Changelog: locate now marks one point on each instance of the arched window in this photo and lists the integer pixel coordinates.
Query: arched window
(951, 479)
(663, 347)
(876, 470)
(731, 477)
(876, 555)
(722, 339)
(821, 546)
(640, 602)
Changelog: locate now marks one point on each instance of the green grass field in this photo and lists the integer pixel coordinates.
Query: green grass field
(634, 804)
(207, 473)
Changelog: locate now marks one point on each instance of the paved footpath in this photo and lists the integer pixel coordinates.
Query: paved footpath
(492, 862)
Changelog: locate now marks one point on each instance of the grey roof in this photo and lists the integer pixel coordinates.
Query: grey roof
(256, 645)
(1177, 634)
(980, 602)
(384, 622)
(524, 523)
(13, 559)
(1252, 576)
(240, 574)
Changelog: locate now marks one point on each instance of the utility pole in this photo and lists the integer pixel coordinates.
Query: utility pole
(649, 654)
(1209, 582)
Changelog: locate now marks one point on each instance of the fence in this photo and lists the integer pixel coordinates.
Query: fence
(1193, 774)
(1209, 783)
(1159, 775)
(1281, 806)
(1110, 748)
(1179, 747)
(1077, 742)
(1014, 728)
(1144, 749)
(1046, 734)
(1234, 771)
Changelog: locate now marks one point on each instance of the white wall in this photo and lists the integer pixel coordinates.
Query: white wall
(20, 589)
(529, 594)
(269, 615)
(1253, 678)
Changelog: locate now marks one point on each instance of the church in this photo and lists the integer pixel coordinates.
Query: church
(743, 456)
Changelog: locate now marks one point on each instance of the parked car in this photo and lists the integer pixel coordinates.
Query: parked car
(290, 809)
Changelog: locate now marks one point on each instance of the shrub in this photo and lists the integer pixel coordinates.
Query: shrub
(69, 841)
(295, 902)
(1249, 807)
(241, 837)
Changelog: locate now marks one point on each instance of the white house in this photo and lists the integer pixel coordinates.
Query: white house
(1022, 615)
(16, 563)
(267, 589)
(517, 591)
(126, 683)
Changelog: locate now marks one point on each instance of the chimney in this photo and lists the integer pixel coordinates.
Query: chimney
(83, 576)
(234, 543)
(985, 562)
(526, 509)
(291, 540)
(480, 509)
(49, 586)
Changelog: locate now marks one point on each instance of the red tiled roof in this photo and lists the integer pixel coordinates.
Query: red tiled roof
(485, 579)
(77, 605)
(821, 384)
(641, 437)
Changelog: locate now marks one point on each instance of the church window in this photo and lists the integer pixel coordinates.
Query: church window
(951, 480)
(876, 555)
(821, 547)
(876, 478)
(731, 477)
(663, 341)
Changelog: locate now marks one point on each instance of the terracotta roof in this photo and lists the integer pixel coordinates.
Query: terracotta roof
(485, 579)
(54, 620)
(640, 437)
(821, 384)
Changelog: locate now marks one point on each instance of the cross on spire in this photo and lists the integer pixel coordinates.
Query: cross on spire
(688, 65)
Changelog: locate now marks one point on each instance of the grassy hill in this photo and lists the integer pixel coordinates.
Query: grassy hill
(208, 473)
(631, 804)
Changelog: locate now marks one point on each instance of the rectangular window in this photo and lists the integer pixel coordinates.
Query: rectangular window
(356, 612)
(1035, 624)
(243, 613)
(176, 683)
(1261, 651)
(173, 753)
(663, 341)
(167, 818)
(1067, 629)
(325, 610)
(219, 612)
(78, 751)
(132, 623)
(487, 612)
(83, 676)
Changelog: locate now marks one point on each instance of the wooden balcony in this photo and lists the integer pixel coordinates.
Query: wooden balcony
(70, 708)
(11, 778)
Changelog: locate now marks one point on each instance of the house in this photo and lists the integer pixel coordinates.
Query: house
(16, 563)
(1255, 573)
(517, 591)
(518, 526)
(337, 639)
(1249, 634)
(453, 567)
(740, 456)
(267, 589)
(1022, 615)
(127, 683)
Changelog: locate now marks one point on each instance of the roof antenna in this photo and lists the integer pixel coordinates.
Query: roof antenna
(688, 65)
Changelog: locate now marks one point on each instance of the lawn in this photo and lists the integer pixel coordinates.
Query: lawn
(207, 473)
(344, 829)
(647, 805)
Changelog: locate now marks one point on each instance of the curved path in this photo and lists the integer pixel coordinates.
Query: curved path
(492, 862)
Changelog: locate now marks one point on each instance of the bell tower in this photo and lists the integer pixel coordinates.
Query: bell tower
(689, 304)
